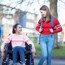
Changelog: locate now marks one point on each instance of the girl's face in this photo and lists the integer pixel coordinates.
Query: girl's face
(43, 13)
(18, 29)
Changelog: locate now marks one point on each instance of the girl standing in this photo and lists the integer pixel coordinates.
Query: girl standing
(47, 32)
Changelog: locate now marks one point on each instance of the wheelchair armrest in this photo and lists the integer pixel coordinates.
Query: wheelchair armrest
(8, 48)
(28, 46)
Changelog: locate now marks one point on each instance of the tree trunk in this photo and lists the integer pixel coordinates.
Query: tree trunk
(53, 9)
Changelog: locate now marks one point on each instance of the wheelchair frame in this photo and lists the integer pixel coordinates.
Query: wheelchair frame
(8, 55)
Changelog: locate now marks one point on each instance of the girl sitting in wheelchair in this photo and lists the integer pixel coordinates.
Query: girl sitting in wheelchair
(18, 40)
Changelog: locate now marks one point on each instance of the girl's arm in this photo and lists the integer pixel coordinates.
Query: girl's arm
(5, 42)
(38, 26)
(26, 39)
(57, 25)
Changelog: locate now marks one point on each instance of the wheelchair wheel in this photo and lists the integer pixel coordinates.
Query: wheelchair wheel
(4, 63)
(30, 60)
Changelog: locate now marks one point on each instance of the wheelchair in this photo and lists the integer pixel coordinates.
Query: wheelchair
(9, 56)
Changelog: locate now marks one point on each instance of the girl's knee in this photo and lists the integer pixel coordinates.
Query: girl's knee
(44, 55)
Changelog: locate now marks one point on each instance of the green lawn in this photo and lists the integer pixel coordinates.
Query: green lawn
(0, 44)
(56, 52)
(38, 50)
(59, 52)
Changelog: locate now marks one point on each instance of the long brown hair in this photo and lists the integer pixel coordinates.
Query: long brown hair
(48, 15)
(15, 27)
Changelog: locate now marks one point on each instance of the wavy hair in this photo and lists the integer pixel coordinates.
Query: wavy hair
(48, 15)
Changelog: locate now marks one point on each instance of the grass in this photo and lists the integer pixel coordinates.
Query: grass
(38, 50)
(56, 52)
(59, 52)
(0, 44)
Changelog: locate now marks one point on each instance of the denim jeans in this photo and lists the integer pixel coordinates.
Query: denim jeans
(46, 45)
(21, 51)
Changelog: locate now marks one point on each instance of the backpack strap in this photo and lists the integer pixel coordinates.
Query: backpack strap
(41, 24)
(52, 21)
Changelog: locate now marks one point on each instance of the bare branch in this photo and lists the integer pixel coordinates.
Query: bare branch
(8, 6)
(62, 1)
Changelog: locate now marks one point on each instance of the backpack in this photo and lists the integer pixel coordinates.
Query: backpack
(52, 22)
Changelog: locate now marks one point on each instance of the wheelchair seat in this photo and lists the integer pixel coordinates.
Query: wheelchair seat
(8, 48)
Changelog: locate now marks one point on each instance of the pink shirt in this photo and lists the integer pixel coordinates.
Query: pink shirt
(18, 40)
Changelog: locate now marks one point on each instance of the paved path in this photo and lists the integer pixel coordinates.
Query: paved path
(54, 62)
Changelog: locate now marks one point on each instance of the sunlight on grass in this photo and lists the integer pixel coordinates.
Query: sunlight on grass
(59, 52)
(56, 52)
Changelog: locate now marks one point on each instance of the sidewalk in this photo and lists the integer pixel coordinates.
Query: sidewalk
(54, 57)
(54, 62)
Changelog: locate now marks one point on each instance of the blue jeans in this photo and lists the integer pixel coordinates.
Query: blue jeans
(21, 51)
(46, 45)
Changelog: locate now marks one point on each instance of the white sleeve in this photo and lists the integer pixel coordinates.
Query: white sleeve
(29, 42)
(5, 42)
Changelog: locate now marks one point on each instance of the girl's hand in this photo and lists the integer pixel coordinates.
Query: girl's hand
(33, 54)
(40, 30)
(51, 30)
(3, 54)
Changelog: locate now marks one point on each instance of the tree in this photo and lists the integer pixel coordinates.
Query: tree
(53, 9)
